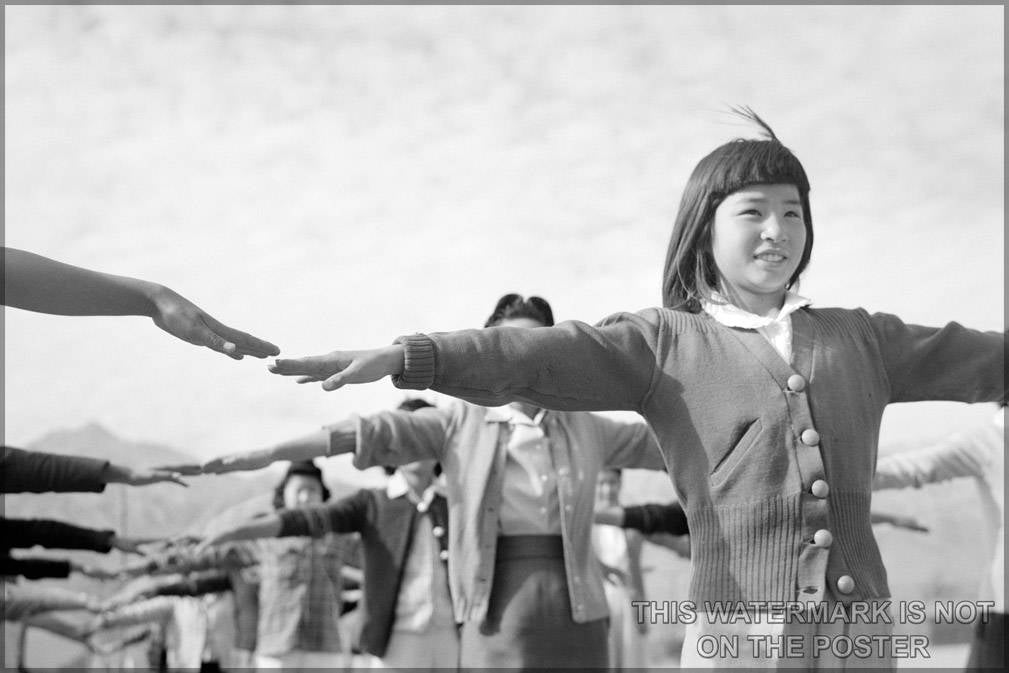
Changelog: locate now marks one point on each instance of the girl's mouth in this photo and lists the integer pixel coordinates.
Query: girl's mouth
(771, 257)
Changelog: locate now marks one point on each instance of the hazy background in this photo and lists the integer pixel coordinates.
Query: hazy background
(331, 177)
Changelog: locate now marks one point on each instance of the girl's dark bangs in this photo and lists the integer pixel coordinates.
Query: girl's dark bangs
(757, 162)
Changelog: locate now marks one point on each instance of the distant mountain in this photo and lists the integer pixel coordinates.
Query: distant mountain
(95, 440)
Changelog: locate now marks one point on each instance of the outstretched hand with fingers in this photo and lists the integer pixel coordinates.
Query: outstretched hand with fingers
(339, 368)
(131, 545)
(94, 572)
(909, 523)
(118, 474)
(214, 540)
(181, 469)
(238, 463)
(182, 318)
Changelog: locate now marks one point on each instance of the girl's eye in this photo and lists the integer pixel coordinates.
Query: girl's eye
(751, 211)
(793, 213)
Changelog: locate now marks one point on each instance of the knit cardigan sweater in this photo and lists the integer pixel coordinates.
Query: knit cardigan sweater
(773, 462)
(387, 527)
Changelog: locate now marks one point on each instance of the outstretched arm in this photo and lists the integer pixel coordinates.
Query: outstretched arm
(28, 533)
(303, 448)
(153, 610)
(265, 526)
(386, 438)
(191, 559)
(39, 472)
(610, 516)
(940, 363)
(898, 521)
(572, 366)
(40, 284)
(22, 600)
(120, 474)
(960, 455)
(650, 519)
(61, 626)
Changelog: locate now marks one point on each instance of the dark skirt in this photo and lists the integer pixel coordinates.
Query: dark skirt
(988, 649)
(529, 623)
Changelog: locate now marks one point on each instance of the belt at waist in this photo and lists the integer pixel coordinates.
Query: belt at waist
(529, 546)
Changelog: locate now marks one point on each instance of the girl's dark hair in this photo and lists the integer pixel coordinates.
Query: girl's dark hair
(513, 306)
(306, 468)
(689, 275)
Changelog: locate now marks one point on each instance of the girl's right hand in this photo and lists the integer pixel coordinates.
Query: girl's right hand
(339, 368)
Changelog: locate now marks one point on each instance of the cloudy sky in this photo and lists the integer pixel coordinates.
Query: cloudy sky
(334, 177)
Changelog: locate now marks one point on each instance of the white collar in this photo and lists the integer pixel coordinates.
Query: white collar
(510, 414)
(397, 486)
(731, 315)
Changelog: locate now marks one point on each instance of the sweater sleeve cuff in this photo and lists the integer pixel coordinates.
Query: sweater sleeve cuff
(293, 523)
(418, 362)
(96, 471)
(104, 541)
(634, 517)
(342, 437)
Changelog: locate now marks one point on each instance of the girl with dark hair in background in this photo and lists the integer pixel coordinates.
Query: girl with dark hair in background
(521, 485)
(768, 411)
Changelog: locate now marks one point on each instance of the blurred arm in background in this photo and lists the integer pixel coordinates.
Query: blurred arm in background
(39, 472)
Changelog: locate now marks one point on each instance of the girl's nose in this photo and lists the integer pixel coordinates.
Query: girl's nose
(773, 231)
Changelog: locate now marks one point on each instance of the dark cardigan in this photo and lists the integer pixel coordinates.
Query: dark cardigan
(386, 526)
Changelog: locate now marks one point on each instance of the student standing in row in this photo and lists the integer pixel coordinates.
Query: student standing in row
(767, 410)
(521, 485)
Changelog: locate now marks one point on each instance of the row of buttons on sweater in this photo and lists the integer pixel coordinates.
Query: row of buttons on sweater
(819, 488)
(437, 531)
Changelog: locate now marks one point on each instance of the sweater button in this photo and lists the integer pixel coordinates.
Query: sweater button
(438, 531)
(823, 538)
(845, 584)
(443, 555)
(796, 383)
(810, 437)
(820, 488)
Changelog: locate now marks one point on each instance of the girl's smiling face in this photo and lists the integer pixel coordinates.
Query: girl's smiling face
(757, 239)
